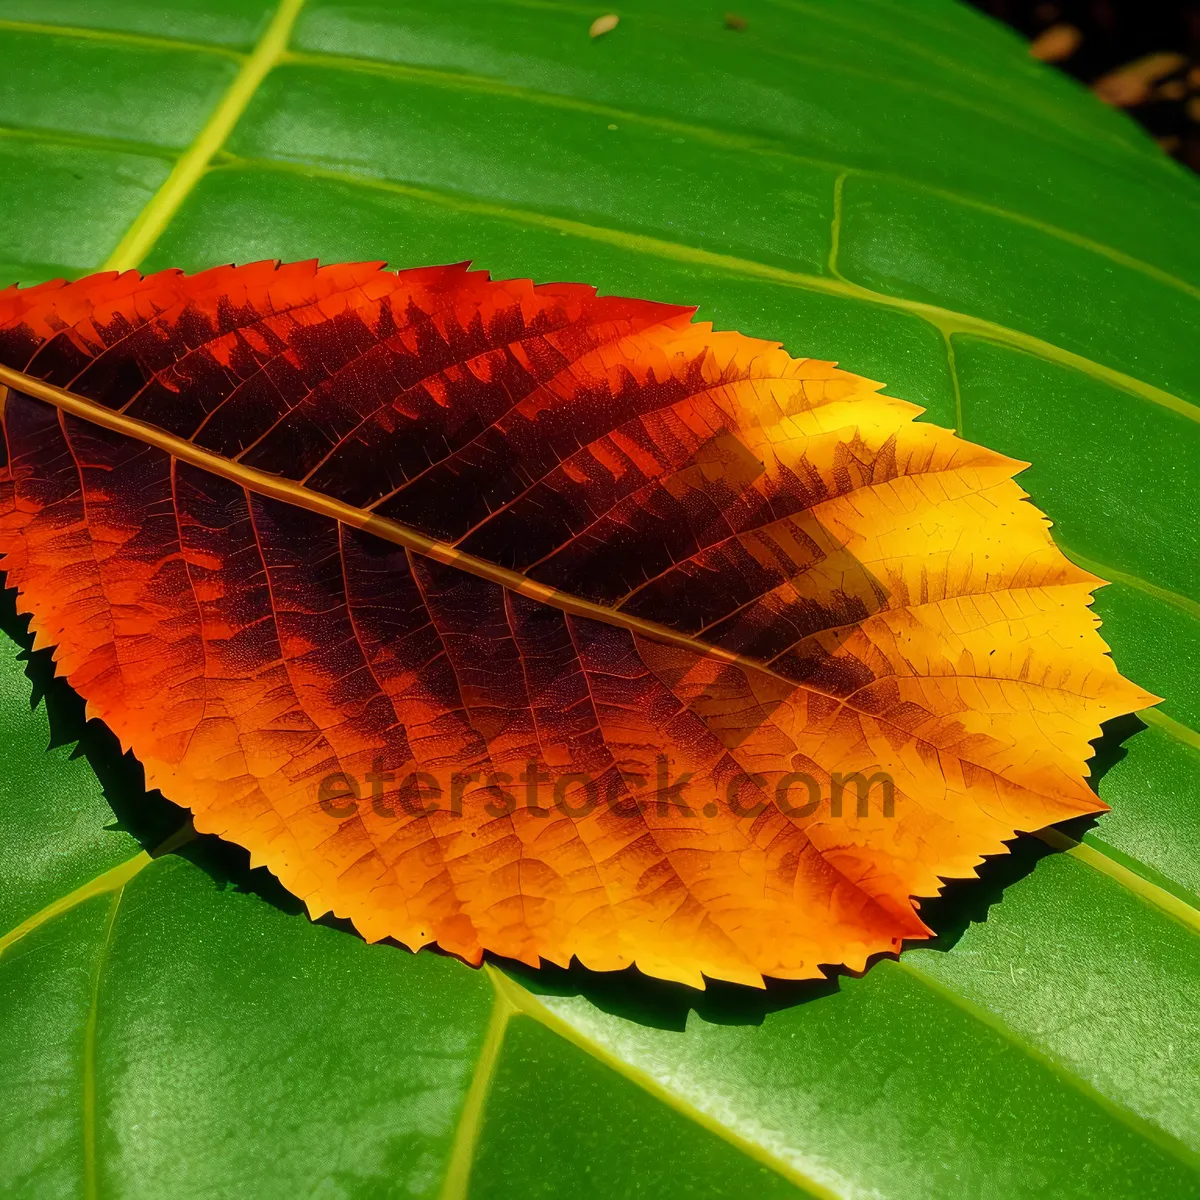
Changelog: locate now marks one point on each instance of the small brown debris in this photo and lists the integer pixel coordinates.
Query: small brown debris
(1192, 108)
(735, 22)
(603, 25)
(1056, 43)
(1131, 84)
(1173, 89)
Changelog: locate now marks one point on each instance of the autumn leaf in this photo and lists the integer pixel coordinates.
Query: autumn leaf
(525, 620)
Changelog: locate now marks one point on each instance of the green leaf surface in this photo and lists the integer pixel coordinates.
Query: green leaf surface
(891, 184)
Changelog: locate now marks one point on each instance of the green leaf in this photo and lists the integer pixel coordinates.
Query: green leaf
(894, 185)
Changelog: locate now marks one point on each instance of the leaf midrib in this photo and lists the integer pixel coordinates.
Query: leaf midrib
(287, 491)
(192, 164)
(276, 487)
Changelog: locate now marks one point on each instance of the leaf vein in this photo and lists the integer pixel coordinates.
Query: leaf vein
(192, 164)
(756, 144)
(946, 321)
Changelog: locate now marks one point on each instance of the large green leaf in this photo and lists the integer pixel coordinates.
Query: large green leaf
(890, 183)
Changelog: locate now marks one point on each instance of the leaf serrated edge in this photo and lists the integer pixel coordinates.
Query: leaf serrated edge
(948, 322)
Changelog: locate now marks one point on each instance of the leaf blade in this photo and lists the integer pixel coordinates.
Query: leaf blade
(714, 501)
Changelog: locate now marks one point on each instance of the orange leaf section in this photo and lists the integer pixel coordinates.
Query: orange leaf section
(679, 597)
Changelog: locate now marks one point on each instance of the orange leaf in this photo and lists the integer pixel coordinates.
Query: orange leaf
(521, 619)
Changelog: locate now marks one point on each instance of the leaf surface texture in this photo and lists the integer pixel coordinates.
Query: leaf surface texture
(663, 569)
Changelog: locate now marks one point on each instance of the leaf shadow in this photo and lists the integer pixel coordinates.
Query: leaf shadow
(662, 1005)
(962, 903)
(148, 817)
(965, 902)
(159, 825)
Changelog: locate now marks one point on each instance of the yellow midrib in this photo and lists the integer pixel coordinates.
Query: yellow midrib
(522, 1001)
(192, 164)
(456, 1184)
(107, 881)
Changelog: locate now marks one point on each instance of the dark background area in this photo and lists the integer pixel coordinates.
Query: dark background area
(1140, 55)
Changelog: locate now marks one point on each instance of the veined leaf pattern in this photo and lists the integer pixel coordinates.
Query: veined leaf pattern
(601, 549)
